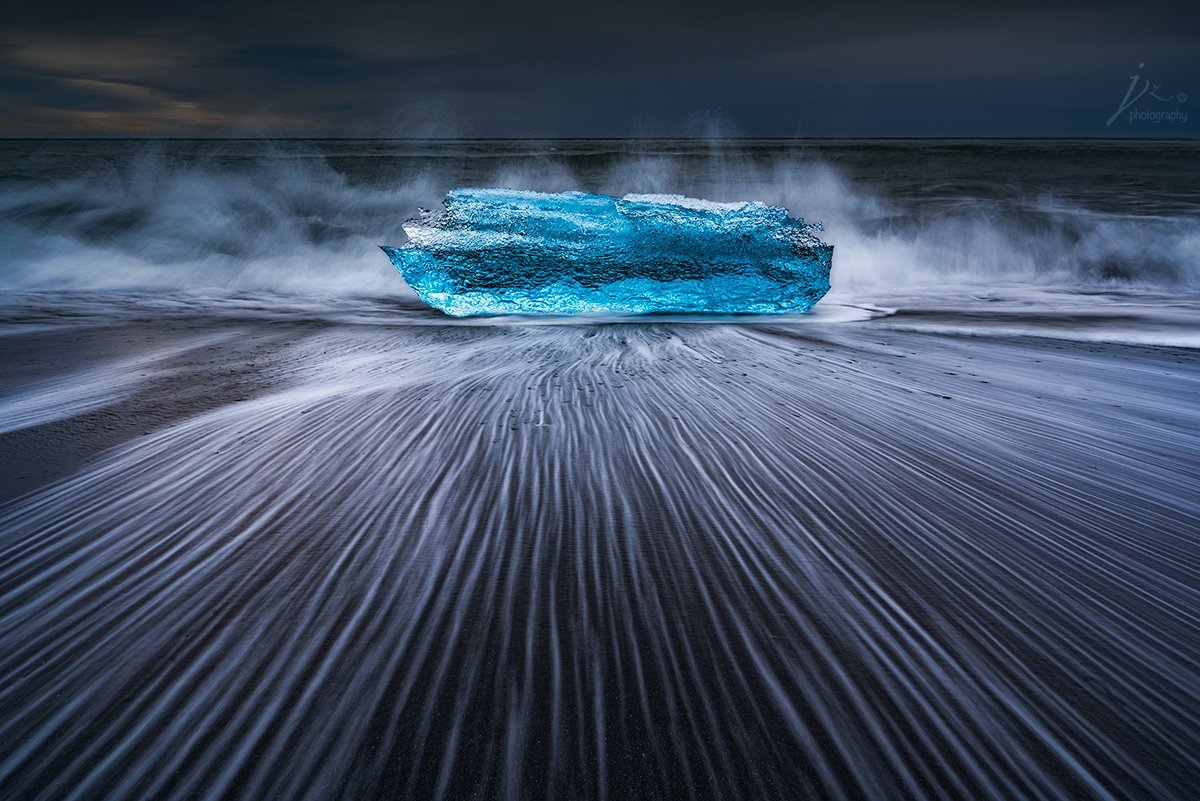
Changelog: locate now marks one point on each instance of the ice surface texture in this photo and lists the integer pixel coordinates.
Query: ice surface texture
(495, 251)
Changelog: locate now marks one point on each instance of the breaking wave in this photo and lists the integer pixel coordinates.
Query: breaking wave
(307, 217)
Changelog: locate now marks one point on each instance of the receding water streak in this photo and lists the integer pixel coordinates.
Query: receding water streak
(628, 560)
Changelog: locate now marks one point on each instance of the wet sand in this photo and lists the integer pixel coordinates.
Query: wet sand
(303, 559)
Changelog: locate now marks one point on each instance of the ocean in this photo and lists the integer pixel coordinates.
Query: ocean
(272, 528)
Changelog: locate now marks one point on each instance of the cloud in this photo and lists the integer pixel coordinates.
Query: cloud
(86, 57)
(548, 69)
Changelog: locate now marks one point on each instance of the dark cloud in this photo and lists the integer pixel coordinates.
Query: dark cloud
(553, 69)
(305, 63)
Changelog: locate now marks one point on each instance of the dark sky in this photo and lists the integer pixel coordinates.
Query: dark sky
(735, 68)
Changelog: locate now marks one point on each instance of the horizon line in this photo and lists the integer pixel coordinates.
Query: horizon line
(165, 137)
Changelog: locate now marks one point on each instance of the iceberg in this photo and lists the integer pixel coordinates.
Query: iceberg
(501, 251)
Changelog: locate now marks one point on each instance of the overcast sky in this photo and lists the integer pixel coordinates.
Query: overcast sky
(741, 68)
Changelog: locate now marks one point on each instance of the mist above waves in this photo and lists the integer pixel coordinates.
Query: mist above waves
(307, 217)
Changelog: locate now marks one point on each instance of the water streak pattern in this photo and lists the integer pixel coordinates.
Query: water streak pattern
(624, 561)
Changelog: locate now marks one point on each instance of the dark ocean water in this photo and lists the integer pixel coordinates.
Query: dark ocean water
(270, 528)
(306, 216)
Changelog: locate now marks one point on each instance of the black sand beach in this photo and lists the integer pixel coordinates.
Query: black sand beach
(272, 529)
(297, 557)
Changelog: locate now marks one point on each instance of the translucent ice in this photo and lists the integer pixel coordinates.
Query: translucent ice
(500, 251)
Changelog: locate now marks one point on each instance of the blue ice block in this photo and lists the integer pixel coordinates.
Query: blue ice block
(497, 251)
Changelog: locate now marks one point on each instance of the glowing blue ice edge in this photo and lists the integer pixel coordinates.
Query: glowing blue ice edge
(503, 251)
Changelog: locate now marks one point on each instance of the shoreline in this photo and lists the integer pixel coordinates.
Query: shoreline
(760, 560)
